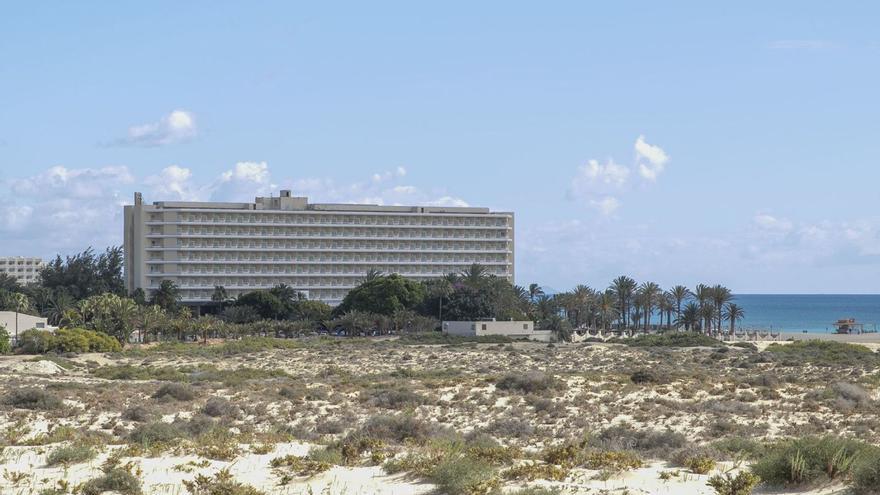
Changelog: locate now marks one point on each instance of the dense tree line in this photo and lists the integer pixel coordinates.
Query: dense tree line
(86, 291)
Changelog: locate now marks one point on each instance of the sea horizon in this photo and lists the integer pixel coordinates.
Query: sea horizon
(813, 313)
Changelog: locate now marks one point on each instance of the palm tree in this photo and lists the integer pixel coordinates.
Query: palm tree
(649, 293)
(689, 316)
(20, 303)
(372, 274)
(535, 291)
(220, 297)
(59, 302)
(585, 302)
(607, 308)
(720, 296)
(703, 294)
(623, 288)
(732, 313)
(474, 275)
(666, 305)
(679, 294)
(707, 312)
(167, 295)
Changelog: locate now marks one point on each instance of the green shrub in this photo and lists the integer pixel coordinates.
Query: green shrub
(116, 480)
(32, 398)
(398, 429)
(177, 391)
(218, 407)
(671, 339)
(152, 434)
(807, 459)
(532, 472)
(393, 398)
(5, 346)
(35, 341)
(464, 476)
(823, 353)
(438, 338)
(530, 382)
(643, 376)
(741, 484)
(129, 372)
(739, 447)
(70, 454)
(865, 476)
(139, 414)
(66, 340)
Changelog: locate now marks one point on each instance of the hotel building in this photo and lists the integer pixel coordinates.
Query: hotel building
(25, 270)
(321, 250)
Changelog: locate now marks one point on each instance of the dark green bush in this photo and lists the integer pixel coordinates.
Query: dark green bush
(393, 398)
(66, 340)
(644, 376)
(865, 477)
(32, 398)
(70, 454)
(530, 382)
(116, 480)
(823, 353)
(398, 429)
(671, 339)
(155, 434)
(177, 391)
(806, 460)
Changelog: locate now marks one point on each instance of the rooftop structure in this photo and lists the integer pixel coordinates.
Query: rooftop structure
(321, 250)
(23, 269)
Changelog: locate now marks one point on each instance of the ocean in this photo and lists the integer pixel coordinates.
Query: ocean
(810, 312)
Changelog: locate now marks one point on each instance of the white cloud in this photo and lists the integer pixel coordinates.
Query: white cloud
(173, 182)
(651, 159)
(771, 223)
(65, 210)
(607, 205)
(599, 185)
(176, 127)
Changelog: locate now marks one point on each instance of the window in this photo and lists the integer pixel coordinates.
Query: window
(484, 326)
(525, 326)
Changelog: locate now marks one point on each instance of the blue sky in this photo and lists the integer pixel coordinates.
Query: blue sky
(676, 143)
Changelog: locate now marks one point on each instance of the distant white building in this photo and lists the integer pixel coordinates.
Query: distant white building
(512, 329)
(21, 321)
(23, 269)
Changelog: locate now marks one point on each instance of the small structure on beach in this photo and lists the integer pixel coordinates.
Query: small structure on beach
(848, 326)
(512, 329)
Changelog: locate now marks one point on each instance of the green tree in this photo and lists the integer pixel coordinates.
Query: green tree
(649, 293)
(383, 295)
(86, 274)
(689, 316)
(468, 304)
(623, 288)
(474, 275)
(219, 297)
(167, 296)
(9, 283)
(720, 296)
(535, 291)
(679, 294)
(733, 313)
(265, 303)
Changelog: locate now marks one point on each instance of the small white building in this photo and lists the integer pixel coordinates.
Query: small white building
(512, 329)
(25, 322)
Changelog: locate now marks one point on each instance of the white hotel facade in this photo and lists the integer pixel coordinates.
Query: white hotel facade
(322, 250)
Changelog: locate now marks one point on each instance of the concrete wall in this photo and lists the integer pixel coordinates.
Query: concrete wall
(512, 329)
